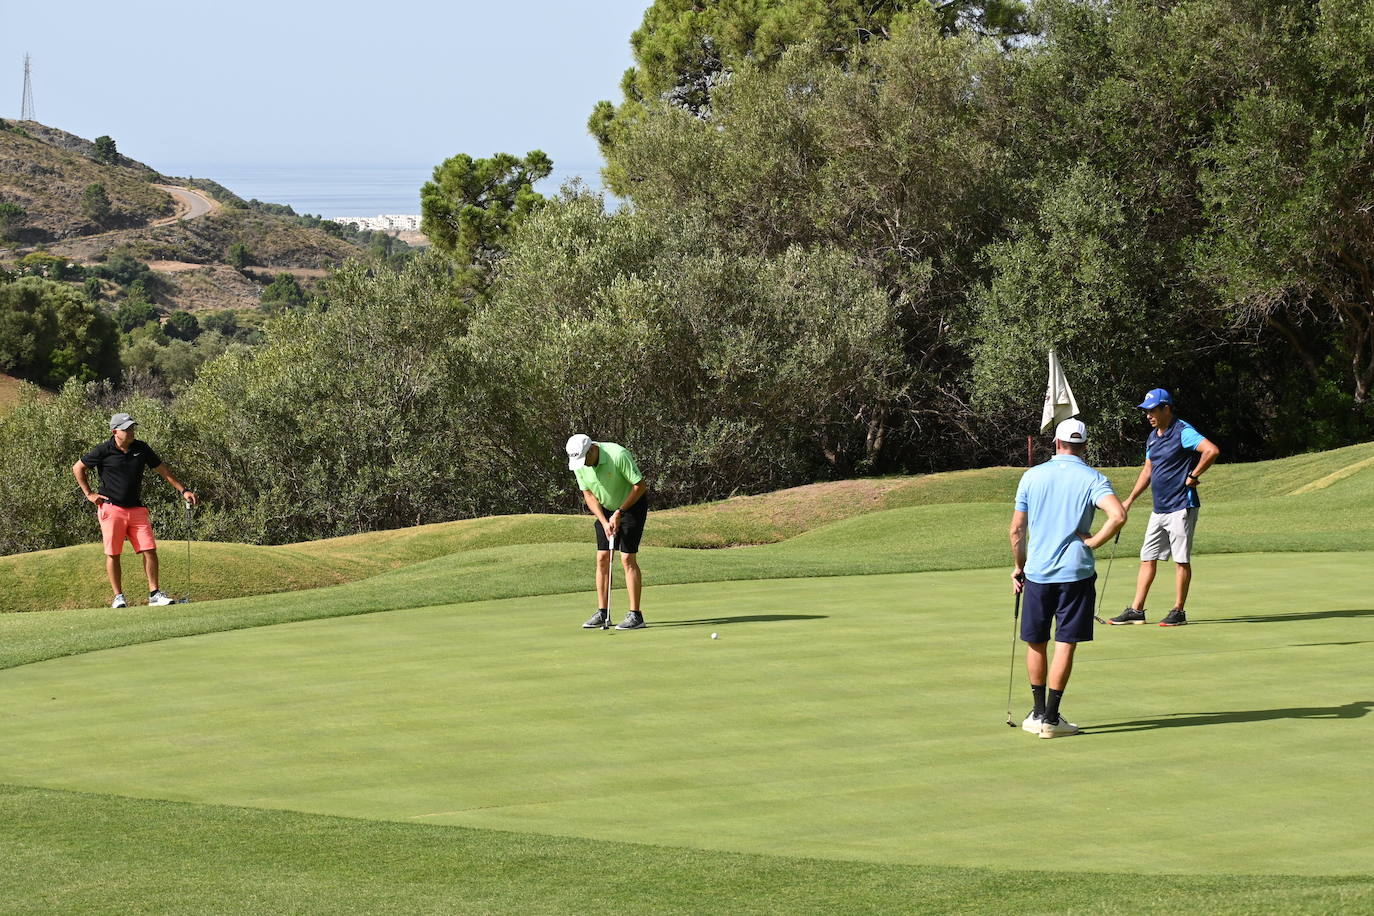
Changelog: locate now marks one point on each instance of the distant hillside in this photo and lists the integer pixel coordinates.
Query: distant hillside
(272, 241)
(47, 171)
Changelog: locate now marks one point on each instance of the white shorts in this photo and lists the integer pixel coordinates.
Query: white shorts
(1170, 534)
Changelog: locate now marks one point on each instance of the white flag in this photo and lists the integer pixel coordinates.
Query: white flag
(1059, 402)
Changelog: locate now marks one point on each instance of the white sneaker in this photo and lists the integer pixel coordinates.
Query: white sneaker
(1032, 723)
(159, 598)
(1062, 728)
(119, 601)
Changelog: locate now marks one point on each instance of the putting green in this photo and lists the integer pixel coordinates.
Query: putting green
(854, 718)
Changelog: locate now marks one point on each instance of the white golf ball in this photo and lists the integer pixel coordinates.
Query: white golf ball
(714, 635)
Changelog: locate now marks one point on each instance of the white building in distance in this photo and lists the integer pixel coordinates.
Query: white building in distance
(391, 222)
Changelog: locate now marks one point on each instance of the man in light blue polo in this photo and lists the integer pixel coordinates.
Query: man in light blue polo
(1176, 455)
(1055, 503)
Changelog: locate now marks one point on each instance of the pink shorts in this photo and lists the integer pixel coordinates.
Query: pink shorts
(118, 523)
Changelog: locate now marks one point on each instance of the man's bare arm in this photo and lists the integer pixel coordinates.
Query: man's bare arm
(1018, 550)
(1116, 517)
(1141, 482)
(165, 473)
(79, 471)
(1209, 454)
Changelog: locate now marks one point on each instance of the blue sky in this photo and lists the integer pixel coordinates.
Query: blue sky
(379, 83)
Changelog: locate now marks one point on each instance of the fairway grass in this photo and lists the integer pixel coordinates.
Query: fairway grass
(436, 734)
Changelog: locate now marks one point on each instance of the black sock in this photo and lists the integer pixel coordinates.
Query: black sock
(1052, 707)
(1038, 693)
(603, 611)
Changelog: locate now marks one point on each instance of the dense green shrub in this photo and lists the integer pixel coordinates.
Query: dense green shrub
(182, 326)
(49, 333)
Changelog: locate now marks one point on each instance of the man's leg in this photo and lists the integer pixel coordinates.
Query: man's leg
(1036, 666)
(1143, 581)
(1062, 666)
(603, 578)
(150, 568)
(634, 579)
(1055, 726)
(116, 574)
(1036, 662)
(1183, 577)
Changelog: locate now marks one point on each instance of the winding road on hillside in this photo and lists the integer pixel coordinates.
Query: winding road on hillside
(191, 203)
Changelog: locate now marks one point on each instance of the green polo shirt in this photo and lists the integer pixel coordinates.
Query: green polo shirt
(613, 477)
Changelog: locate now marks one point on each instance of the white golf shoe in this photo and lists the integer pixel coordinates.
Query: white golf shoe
(159, 598)
(119, 601)
(1060, 728)
(1032, 722)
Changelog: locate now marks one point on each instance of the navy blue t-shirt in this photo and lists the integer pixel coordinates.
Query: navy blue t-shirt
(1173, 456)
(121, 473)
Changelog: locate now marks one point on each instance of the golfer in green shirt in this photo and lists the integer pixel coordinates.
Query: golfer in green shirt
(610, 480)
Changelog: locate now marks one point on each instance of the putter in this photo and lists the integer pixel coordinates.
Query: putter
(1011, 666)
(190, 511)
(610, 585)
(1102, 595)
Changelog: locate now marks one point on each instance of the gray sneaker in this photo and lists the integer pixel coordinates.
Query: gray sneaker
(597, 621)
(1130, 615)
(633, 621)
(119, 601)
(159, 598)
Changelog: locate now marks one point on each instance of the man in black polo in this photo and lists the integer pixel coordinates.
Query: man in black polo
(121, 460)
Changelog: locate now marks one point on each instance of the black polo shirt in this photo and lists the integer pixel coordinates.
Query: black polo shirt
(121, 473)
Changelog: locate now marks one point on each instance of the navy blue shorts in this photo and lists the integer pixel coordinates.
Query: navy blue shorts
(1068, 604)
(631, 528)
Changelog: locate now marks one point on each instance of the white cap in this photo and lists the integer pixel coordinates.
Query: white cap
(578, 447)
(1071, 431)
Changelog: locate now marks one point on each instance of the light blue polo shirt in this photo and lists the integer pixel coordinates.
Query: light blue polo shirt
(1059, 498)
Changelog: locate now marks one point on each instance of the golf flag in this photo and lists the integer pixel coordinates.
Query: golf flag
(1059, 402)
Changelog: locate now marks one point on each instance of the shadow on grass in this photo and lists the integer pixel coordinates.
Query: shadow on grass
(1284, 618)
(743, 618)
(1349, 711)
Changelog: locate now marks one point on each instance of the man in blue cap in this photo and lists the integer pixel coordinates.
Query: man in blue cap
(1176, 456)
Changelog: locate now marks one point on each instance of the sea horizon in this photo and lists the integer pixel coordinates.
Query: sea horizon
(341, 190)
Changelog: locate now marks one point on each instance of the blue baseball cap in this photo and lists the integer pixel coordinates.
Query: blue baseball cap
(1154, 398)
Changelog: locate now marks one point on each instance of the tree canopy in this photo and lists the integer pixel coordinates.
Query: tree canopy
(845, 237)
(472, 205)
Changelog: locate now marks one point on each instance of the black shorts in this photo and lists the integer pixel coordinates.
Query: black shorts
(631, 528)
(1068, 604)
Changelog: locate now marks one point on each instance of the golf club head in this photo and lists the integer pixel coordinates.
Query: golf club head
(1010, 723)
(1099, 619)
(183, 599)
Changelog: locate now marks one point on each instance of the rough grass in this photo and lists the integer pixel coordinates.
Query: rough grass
(75, 853)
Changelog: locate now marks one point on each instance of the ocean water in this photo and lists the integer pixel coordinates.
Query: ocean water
(334, 191)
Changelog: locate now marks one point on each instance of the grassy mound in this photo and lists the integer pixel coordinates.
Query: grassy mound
(947, 521)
